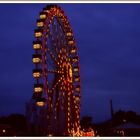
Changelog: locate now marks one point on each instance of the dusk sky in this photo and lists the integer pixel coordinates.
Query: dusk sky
(108, 41)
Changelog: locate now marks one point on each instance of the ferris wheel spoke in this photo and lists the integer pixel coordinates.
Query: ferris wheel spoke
(55, 71)
(55, 85)
(54, 26)
(59, 54)
(65, 88)
(52, 56)
(53, 43)
(61, 30)
(57, 44)
(54, 49)
(60, 34)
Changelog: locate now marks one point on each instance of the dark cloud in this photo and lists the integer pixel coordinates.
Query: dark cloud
(107, 37)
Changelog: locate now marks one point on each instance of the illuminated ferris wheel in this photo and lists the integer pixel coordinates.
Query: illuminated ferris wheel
(56, 71)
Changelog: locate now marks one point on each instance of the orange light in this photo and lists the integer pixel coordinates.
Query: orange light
(71, 42)
(63, 19)
(60, 15)
(76, 69)
(37, 46)
(69, 34)
(70, 73)
(73, 51)
(43, 16)
(46, 10)
(40, 24)
(77, 79)
(38, 89)
(77, 89)
(75, 59)
(36, 60)
(36, 74)
(38, 34)
(40, 103)
(77, 98)
(76, 107)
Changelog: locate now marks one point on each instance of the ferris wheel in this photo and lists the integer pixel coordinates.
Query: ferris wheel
(56, 71)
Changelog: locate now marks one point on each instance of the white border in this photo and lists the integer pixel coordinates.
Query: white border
(69, 138)
(67, 1)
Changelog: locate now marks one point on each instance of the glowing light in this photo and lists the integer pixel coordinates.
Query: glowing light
(40, 103)
(46, 10)
(78, 89)
(40, 23)
(76, 107)
(70, 73)
(60, 15)
(59, 56)
(73, 51)
(50, 135)
(76, 69)
(3, 130)
(36, 60)
(77, 79)
(63, 20)
(38, 89)
(77, 99)
(38, 34)
(75, 59)
(37, 46)
(69, 34)
(71, 42)
(43, 15)
(36, 74)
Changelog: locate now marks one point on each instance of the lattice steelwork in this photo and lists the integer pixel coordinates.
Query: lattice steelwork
(56, 72)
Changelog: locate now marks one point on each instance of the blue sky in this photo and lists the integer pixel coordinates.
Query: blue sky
(108, 41)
